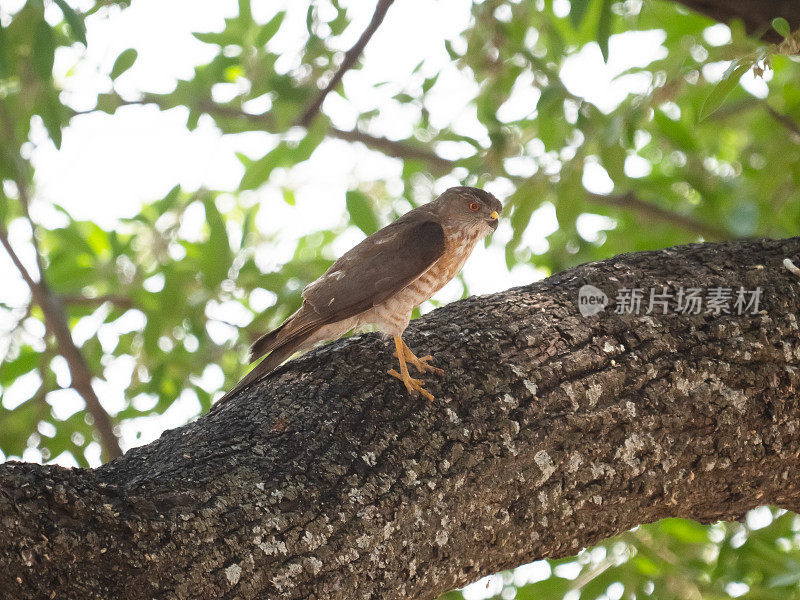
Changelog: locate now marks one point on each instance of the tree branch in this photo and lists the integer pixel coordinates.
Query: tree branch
(756, 16)
(550, 432)
(55, 319)
(734, 109)
(402, 150)
(115, 299)
(80, 373)
(630, 201)
(393, 148)
(788, 122)
(350, 58)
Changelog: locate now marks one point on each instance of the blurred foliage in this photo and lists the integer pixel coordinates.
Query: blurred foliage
(690, 155)
(673, 559)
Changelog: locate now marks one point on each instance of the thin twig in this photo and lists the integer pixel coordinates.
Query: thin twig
(786, 121)
(396, 149)
(753, 103)
(631, 201)
(350, 58)
(115, 299)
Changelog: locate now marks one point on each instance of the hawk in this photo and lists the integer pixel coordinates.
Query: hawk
(381, 280)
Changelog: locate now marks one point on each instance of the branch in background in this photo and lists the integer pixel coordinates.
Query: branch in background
(786, 121)
(756, 16)
(115, 299)
(631, 201)
(80, 373)
(393, 148)
(396, 149)
(736, 108)
(350, 58)
(438, 164)
(55, 319)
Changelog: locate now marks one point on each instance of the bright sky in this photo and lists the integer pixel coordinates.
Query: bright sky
(109, 164)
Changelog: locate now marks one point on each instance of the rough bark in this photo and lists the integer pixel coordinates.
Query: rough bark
(550, 432)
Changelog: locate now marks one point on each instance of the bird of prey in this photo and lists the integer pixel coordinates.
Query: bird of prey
(381, 280)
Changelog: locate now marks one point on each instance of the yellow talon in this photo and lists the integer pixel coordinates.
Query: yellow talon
(414, 386)
(404, 355)
(420, 363)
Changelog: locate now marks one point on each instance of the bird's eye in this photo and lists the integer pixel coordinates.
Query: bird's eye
(474, 207)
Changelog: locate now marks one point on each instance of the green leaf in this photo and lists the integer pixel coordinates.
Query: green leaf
(3, 53)
(124, 62)
(258, 171)
(74, 20)
(224, 38)
(604, 28)
(44, 47)
(269, 29)
(245, 13)
(52, 113)
(729, 80)
(17, 425)
(10, 370)
(448, 45)
(217, 252)
(361, 213)
(684, 530)
(781, 25)
(577, 12)
(791, 578)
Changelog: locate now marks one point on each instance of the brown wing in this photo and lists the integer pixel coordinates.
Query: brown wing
(366, 275)
(374, 270)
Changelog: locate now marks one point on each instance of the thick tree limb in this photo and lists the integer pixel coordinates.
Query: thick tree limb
(350, 58)
(550, 432)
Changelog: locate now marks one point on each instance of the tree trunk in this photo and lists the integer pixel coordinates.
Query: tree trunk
(550, 432)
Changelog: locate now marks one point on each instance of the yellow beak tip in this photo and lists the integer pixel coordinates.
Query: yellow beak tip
(494, 215)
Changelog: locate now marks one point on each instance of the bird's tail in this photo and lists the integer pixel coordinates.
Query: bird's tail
(281, 343)
(269, 341)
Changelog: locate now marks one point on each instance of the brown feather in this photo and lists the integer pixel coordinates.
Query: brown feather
(267, 342)
(277, 355)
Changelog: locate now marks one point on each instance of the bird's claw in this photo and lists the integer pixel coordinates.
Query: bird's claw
(421, 363)
(423, 366)
(414, 386)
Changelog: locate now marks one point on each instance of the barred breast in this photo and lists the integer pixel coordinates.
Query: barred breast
(393, 315)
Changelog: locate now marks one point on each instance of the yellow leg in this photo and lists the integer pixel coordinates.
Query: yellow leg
(414, 386)
(420, 364)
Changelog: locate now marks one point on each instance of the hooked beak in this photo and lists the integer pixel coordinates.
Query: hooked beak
(493, 219)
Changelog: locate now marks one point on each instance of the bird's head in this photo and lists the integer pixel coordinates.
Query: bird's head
(469, 207)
